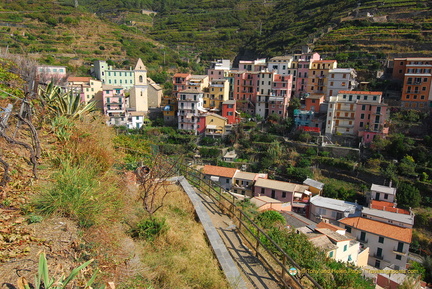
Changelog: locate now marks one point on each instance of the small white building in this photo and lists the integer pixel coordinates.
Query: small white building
(382, 193)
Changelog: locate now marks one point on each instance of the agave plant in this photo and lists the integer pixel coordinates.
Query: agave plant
(70, 105)
(44, 281)
(64, 103)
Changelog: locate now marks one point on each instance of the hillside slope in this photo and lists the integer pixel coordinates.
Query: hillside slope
(185, 35)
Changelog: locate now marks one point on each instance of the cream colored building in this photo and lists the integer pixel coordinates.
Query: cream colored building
(388, 244)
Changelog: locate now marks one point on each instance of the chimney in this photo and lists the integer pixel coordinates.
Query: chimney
(390, 183)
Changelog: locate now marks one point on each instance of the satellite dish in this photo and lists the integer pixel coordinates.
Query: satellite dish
(167, 108)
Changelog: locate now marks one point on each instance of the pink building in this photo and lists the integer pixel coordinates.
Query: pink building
(245, 90)
(357, 113)
(114, 104)
(282, 191)
(303, 66)
(180, 81)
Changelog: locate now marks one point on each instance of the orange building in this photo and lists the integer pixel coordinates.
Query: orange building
(416, 74)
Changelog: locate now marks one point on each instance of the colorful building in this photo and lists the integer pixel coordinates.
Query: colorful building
(318, 76)
(190, 109)
(216, 93)
(115, 104)
(416, 74)
(341, 79)
(358, 114)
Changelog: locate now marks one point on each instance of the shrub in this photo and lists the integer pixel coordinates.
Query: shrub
(148, 229)
(270, 218)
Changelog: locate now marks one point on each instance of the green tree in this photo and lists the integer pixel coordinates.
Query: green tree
(408, 195)
(407, 166)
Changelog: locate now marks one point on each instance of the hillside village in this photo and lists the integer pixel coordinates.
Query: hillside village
(333, 104)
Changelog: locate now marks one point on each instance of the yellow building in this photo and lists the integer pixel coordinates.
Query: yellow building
(215, 124)
(318, 76)
(217, 93)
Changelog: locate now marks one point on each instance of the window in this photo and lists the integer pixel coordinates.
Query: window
(379, 252)
(345, 248)
(348, 229)
(398, 257)
(380, 239)
(227, 181)
(283, 194)
(273, 194)
(363, 236)
(331, 254)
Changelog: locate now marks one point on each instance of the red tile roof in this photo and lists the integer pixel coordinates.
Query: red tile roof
(387, 206)
(379, 228)
(219, 171)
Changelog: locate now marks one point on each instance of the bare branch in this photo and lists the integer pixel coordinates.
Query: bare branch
(5, 178)
(153, 183)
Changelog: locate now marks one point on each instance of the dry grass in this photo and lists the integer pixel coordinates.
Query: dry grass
(181, 257)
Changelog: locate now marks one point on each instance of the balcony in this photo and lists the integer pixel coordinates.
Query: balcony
(400, 252)
(381, 257)
(364, 241)
(343, 117)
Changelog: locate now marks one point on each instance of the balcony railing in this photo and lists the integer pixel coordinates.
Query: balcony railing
(364, 241)
(381, 257)
(400, 252)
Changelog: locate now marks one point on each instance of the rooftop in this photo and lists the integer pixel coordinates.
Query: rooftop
(324, 225)
(334, 235)
(295, 220)
(403, 218)
(383, 189)
(190, 91)
(321, 241)
(387, 206)
(313, 183)
(279, 185)
(379, 228)
(246, 175)
(337, 205)
(219, 171)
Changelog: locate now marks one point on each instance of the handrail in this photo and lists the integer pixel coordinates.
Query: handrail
(192, 175)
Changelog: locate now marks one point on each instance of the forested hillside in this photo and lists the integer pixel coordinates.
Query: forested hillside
(180, 34)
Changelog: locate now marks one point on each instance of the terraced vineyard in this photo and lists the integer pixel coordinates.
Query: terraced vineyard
(392, 28)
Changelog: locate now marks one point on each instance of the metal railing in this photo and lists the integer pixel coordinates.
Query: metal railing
(279, 262)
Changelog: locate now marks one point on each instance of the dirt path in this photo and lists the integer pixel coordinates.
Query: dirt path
(253, 273)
